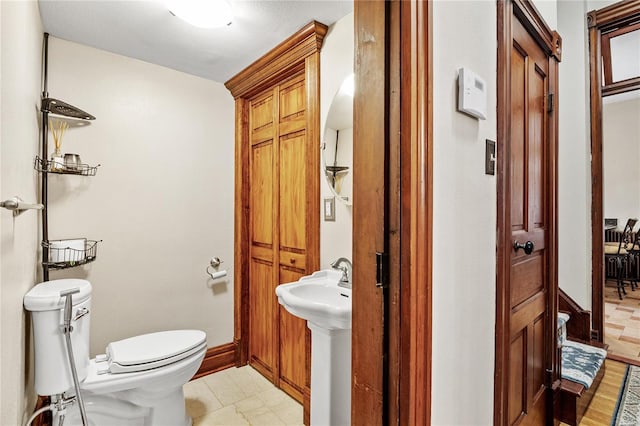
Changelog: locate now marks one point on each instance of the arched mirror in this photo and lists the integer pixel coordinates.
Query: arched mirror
(337, 146)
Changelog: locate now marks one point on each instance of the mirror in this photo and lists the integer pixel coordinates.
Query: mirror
(337, 146)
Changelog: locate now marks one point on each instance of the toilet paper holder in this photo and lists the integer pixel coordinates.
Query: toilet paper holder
(215, 264)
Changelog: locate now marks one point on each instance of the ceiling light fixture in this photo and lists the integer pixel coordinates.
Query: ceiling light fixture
(202, 13)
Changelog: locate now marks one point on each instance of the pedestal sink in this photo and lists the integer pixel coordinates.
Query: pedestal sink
(326, 307)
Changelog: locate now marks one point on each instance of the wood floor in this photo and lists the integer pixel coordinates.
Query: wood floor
(600, 410)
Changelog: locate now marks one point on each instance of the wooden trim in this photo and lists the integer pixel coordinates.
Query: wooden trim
(396, 310)
(621, 87)
(623, 359)
(615, 14)
(312, 81)
(370, 139)
(551, 42)
(611, 87)
(605, 47)
(280, 62)
(416, 188)
(500, 413)
(555, 354)
(608, 18)
(597, 219)
(241, 233)
(533, 21)
(216, 359)
(579, 325)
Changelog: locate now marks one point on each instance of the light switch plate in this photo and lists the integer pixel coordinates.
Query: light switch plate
(490, 158)
(330, 209)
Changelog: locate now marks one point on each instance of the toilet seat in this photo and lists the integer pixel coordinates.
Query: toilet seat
(150, 351)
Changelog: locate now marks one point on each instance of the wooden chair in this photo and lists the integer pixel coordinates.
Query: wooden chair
(617, 254)
(633, 250)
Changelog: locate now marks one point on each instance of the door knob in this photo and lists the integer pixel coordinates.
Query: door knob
(528, 247)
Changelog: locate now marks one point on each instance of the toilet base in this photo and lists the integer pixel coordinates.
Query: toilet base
(111, 409)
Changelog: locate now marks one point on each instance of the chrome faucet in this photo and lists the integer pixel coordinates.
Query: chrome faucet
(343, 264)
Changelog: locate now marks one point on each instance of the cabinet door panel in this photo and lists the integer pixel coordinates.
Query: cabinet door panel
(293, 212)
(261, 114)
(292, 100)
(292, 345)
(261, 314)
(261, 200)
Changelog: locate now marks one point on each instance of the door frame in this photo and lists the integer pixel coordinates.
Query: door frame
(392, 213)
(551, 42)
(598, 21)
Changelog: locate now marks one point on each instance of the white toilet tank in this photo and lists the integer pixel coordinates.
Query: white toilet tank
(53, 374)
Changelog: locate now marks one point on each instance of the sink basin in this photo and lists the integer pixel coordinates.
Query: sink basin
(318, 299)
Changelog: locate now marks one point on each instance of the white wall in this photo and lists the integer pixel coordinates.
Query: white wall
(336, 63)
(464, 219)
(621, 156)
(21, 47)
(162, 200)
(574, 155)
(549, 11)
(597, 4)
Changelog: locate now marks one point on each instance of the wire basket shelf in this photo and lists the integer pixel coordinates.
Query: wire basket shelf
(65, 254)
(50, 166)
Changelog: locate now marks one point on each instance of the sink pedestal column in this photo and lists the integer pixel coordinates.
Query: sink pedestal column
(330, 376)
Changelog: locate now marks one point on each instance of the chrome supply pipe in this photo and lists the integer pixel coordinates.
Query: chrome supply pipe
(58, 408)
(67, 328)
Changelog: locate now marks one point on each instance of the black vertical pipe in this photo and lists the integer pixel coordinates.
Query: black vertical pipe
(44, 196)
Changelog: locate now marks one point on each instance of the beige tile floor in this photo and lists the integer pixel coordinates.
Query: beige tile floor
(622, 323)
(239, 396)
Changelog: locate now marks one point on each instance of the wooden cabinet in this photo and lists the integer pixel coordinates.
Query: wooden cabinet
(277, 205)
(279, 217)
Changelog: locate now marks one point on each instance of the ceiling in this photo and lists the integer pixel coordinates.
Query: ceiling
(146, 30)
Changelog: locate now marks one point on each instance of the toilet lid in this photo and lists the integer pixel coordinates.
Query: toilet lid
(153, 350)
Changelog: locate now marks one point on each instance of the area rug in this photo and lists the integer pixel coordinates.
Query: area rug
(627, 412)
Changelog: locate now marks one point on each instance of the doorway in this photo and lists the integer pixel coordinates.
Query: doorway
(604, 25)
(526, 285)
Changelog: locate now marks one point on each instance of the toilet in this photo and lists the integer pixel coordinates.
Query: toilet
(137, 381)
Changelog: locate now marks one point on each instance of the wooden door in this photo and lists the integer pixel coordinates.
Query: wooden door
(293, 220)
(529, 301)
(527, 281)
(263, 233)
(279, 219)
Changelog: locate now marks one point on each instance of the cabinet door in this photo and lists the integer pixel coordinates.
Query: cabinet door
(292, 174)
(292, 345)
(263, 240)
(293, 217)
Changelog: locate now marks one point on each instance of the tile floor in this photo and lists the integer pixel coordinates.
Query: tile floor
(239, 396)
(622, 322)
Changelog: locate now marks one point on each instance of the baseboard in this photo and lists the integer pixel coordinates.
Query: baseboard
(624, 359)
(216, 359)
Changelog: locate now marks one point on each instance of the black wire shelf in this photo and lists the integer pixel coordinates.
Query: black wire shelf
(65, 254)
(50, 166)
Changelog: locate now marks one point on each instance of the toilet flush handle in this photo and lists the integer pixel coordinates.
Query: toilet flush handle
(80, 313)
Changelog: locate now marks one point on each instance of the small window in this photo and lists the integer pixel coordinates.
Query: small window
(621, 54)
